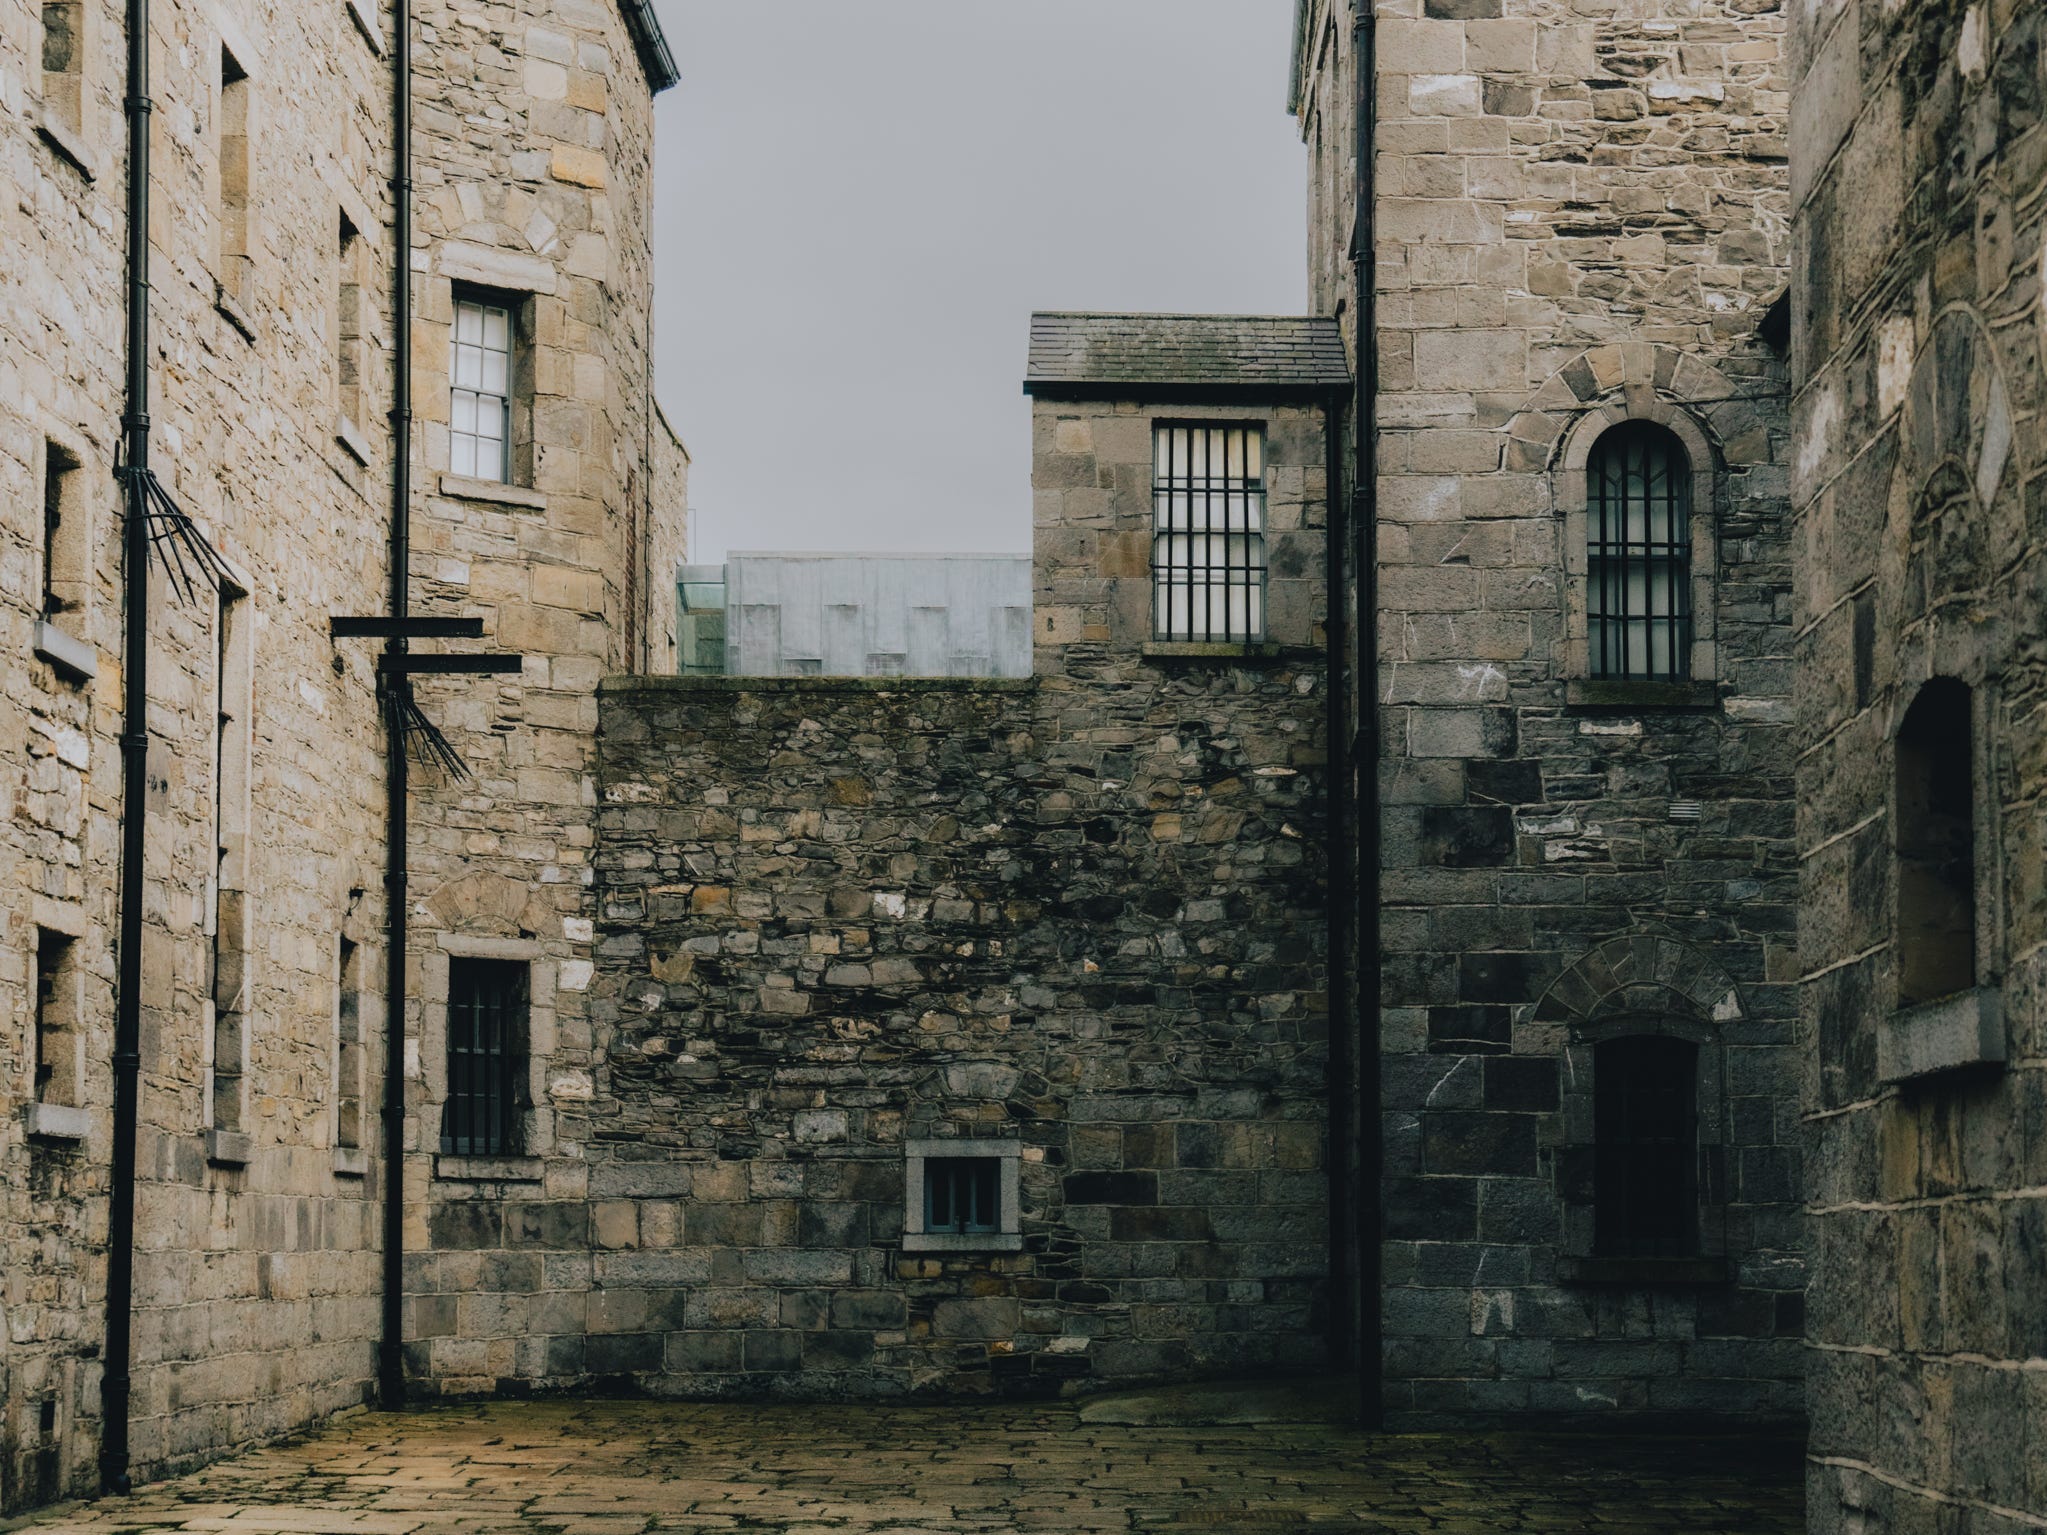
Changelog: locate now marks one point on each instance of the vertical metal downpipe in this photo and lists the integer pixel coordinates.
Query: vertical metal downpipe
(1338, 813)
(394, 691)
(116, 1363)
(1366, 753)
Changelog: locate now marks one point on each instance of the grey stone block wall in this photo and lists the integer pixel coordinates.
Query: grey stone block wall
(1579, 219)
(1921, 496)
(839, 916)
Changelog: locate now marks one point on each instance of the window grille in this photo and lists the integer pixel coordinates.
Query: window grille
(1645, 1134)
(962, 1195)
(481, 422)
(487, 1005)
(1638, 555)
(1208, 539)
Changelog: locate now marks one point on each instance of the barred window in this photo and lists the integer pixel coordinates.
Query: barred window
(1638, 555)
(488, 1000)
(962, 1195)
(480, 445)
(1645, 1147)
(1208, 539)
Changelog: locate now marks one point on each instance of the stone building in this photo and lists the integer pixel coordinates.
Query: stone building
(1920, 490)
(1565, 660)
(956, 1036)
(259, 1171)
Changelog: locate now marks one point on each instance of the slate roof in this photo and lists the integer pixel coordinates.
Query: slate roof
(1091, 353)
(651, 44)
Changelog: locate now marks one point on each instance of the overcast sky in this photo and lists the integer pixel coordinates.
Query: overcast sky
(859, 205)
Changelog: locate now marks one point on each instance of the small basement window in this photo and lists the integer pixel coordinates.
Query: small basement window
(488, 1007)
(1936, 845)
(1645, 1147)
(961, 1196)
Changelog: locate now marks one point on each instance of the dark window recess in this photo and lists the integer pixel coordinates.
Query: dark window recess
(55, 1058)
(962, 1195)
(58, 466)
(487, 1004)
(1936, 845)
(1638, 591)
(1645, 1142)
(1208, 533)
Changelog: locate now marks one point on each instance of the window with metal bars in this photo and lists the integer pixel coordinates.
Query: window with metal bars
(480, 424)
(1638, 533)
(1645, 1147)
(487, 1012)
(1208, 532)
(962, 1195)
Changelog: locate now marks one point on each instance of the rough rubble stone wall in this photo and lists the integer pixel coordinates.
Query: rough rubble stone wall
(255, 1309)
(1918, 162)
(535, 138)
(836, 916)
(1579, 218)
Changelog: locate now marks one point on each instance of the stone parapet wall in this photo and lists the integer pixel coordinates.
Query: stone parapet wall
(837, 917)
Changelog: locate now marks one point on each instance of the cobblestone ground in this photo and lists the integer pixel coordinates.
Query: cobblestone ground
(623, 1469)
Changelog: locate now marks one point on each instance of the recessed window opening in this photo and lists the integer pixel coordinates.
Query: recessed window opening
(1645, 1147)
(488, 1003)
(57, 1018)
(1208, 532)
(349, 1053)
(962, 1195)
(236, 189)
(480, 443)
(1936, 845)
(1639, 554)
(349, 329)
(64, 62)
(59, 541)
(234, 664)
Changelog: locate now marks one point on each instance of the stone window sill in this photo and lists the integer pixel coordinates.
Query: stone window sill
(351, 1162)
(1200, 650)
(351, 438)
(1624, 693)
(68, 144)
(76, 659)
(452, 1169)
(956, 1242)
(57, 1122)
(229, 1148)
(365, 20)
(1644, 1271)
(1966, 1029)
(494, 491)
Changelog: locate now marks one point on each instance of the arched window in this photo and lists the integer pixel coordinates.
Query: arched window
(1935, 837)
(1645, 1131)
(1638, 548)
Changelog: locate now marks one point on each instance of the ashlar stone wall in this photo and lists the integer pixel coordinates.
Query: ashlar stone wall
(1579, 220)
(255, 1269)
(1921, 492)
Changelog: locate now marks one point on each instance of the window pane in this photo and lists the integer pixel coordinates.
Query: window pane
(1638, 555)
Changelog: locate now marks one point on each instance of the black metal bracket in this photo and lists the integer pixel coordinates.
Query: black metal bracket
(407, 664)
(379, 627)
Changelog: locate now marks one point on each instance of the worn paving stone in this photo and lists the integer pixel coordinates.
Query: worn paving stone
(580, 1468)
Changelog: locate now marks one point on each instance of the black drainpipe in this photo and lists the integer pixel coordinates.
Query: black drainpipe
(114, 1381)
(1366, 752)
(1342, 1049)
(395, 689)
